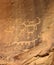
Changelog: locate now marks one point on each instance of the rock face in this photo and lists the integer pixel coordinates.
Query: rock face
(27, 32)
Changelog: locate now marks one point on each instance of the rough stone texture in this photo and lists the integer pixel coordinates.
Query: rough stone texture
(27, 32)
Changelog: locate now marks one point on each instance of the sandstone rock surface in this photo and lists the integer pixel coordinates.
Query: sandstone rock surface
(27, 32)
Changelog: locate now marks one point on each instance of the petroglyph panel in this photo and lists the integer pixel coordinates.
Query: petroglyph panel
(26, 32)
